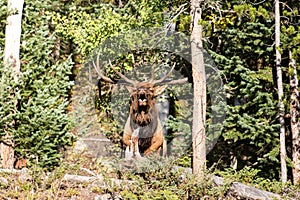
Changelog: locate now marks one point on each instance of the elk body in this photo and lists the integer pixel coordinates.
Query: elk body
(143, 131)
(144, 116)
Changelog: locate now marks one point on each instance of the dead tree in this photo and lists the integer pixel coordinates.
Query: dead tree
(11, 59)
(199, 84)
(280, 94)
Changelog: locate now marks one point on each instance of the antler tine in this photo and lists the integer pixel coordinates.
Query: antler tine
(152, 73)
(165, 77)
(174, 82)
(96, 66)
(121, 75)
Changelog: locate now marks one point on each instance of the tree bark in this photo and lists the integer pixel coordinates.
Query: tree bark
(12, 59)
(294, 112)
(280, 94)
(13, 35)
(199, 81)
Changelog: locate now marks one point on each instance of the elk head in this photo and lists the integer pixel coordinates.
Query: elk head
(143, 102)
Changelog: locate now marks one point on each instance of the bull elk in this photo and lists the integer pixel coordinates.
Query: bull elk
(143, 131)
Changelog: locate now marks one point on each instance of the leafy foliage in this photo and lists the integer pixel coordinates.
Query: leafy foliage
(89, 29)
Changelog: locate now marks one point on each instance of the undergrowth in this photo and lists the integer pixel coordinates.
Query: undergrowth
(159, 180)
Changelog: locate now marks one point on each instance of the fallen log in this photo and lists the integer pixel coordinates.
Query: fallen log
(13, 171)
(250, 192)
(80, 179)
(239, 189)
(97, 180)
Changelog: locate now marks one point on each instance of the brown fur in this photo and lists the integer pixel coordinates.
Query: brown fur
(144, 115)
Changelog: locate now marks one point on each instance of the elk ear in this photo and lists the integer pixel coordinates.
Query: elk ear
(159, 89)
(130, 89)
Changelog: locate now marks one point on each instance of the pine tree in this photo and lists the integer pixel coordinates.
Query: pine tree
(42, 125)
(241, 44)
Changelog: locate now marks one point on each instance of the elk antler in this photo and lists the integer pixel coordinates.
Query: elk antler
(122, 76)
(96, 66)
(105, 78)
(132, 82)
(162, 80)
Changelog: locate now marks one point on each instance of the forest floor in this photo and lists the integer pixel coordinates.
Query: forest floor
(82, 176)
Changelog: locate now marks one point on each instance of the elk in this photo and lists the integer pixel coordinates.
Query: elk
(143, 131)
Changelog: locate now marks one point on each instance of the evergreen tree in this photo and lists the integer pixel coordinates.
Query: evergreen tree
(42, 125)
(242, 48)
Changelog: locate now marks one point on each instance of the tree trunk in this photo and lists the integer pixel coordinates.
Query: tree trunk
(199, 112)
(11, 58)
(295, 125)
(280, 94)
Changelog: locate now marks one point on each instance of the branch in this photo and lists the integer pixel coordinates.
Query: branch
(175, 82)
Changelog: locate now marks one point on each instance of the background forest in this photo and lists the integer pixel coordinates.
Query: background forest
(58, 35)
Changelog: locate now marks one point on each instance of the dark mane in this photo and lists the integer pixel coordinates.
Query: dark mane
(147, 131)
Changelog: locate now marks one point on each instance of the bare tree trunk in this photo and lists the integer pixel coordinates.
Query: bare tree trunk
(280, 94)
(295, 125)
(199, 112)
(11, 58)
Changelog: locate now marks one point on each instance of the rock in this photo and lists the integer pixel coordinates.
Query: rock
(106, 197)
(103, 197)
(3, 181)
(24, 175)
